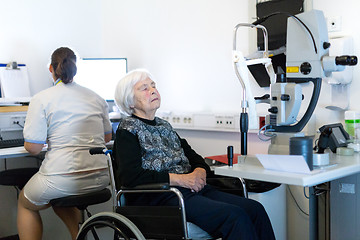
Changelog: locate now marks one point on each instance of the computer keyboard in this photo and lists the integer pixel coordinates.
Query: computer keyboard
(11, 143)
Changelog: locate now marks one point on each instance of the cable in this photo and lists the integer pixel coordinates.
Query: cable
(305, 193)
(316, 144)
(266, 133)
(296, 202)
(20, 125)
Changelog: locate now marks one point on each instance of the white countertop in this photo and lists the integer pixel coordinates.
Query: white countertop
(15, 152)
(340, 166)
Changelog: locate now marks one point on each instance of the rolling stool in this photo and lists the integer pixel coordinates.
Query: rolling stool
(83, 201)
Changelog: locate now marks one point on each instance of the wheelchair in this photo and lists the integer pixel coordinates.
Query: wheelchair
(133, 222)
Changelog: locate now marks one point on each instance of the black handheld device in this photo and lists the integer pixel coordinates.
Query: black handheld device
(332, 136)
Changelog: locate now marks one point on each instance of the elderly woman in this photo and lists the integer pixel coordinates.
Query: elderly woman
(148, 150)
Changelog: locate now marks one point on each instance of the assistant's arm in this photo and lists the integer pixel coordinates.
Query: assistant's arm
(108, 137)
(33, 148)
(106, 122)
(35, 128)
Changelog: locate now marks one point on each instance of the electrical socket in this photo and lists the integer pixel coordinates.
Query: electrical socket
(225, 121)
(17, 121)
(181, 120)
(166, 118)
(202, 121)
(334, 24)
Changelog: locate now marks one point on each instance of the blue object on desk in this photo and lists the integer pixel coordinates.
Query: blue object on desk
(4, 65)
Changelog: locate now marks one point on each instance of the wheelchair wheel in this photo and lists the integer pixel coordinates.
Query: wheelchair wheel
(109, 224)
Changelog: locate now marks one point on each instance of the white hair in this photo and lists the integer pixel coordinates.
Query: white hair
(124, 92)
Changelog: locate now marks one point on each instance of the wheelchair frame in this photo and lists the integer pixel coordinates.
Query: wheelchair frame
(117, 221)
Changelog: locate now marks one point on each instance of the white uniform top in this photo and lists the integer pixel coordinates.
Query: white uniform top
(70, 119)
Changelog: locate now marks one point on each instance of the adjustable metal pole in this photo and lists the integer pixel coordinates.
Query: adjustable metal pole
(244, 125)
(244, 118)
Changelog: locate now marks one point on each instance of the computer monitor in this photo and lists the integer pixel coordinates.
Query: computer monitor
(101, 75)
(276, 25)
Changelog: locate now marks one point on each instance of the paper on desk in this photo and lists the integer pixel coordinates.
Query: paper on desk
(285, 163)
(14, 83)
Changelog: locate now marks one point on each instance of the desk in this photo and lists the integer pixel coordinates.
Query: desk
(252, 169)
(10, 109)
(14, 152)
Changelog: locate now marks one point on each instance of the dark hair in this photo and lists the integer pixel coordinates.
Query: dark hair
(63, 61)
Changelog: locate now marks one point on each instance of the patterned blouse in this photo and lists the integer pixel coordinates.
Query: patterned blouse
(160, 145)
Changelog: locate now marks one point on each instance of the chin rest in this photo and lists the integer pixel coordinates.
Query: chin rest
(84, 200)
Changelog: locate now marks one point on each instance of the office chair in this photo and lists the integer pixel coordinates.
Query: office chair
(82, 202)
(140, 222)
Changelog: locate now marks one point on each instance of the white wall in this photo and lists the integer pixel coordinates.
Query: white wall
(185, 44)
(32, 30)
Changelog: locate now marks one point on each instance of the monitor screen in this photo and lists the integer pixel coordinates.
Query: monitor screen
(276, 25)
(339, 136)
(101, 74)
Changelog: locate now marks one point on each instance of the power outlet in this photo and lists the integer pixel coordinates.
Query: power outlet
(225, 121)
(17, 121)
(182, 121)
(166, 118)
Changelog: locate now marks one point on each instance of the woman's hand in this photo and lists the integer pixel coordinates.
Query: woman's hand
(195, 180)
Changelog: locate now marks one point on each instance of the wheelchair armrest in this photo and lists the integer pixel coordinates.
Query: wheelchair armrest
(149, 188)
(152, 186)
(227, 184)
